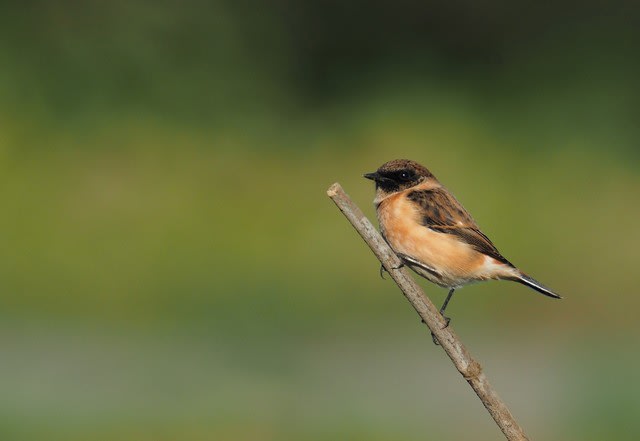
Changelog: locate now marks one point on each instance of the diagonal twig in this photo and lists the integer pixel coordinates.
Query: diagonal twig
(462, 360)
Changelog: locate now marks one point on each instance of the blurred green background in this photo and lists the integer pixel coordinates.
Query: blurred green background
(171, 268)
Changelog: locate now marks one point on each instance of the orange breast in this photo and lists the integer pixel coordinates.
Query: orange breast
(457, 261)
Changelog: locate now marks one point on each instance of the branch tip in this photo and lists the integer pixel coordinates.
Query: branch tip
(333, 190)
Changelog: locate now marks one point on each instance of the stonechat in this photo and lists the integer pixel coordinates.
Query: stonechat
(434, 235)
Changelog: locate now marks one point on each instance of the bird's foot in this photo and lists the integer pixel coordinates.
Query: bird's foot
(447, 320)
(384, 270)
(435, 339)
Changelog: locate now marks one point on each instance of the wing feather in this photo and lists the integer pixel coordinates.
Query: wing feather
(442, 212)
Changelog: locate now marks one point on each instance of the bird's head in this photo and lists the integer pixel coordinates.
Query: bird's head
(398, 175)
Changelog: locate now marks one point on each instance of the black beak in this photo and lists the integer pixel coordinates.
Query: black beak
(373, 176)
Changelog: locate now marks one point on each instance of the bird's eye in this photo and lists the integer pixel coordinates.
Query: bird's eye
(405, 176)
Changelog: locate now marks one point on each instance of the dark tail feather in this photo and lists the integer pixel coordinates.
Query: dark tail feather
(534, 284)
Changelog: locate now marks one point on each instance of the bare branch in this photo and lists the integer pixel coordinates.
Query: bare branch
(462, 360)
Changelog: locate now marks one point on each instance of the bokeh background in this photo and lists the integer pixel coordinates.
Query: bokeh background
(171, 268)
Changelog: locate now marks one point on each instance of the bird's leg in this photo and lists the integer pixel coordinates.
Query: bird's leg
(442, 309)
(444, 306)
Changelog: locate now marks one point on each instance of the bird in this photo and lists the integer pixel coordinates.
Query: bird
(434, 235)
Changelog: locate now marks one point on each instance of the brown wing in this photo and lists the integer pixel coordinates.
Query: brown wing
(443, 213)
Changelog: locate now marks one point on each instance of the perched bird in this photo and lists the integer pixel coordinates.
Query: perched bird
(434, 235)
